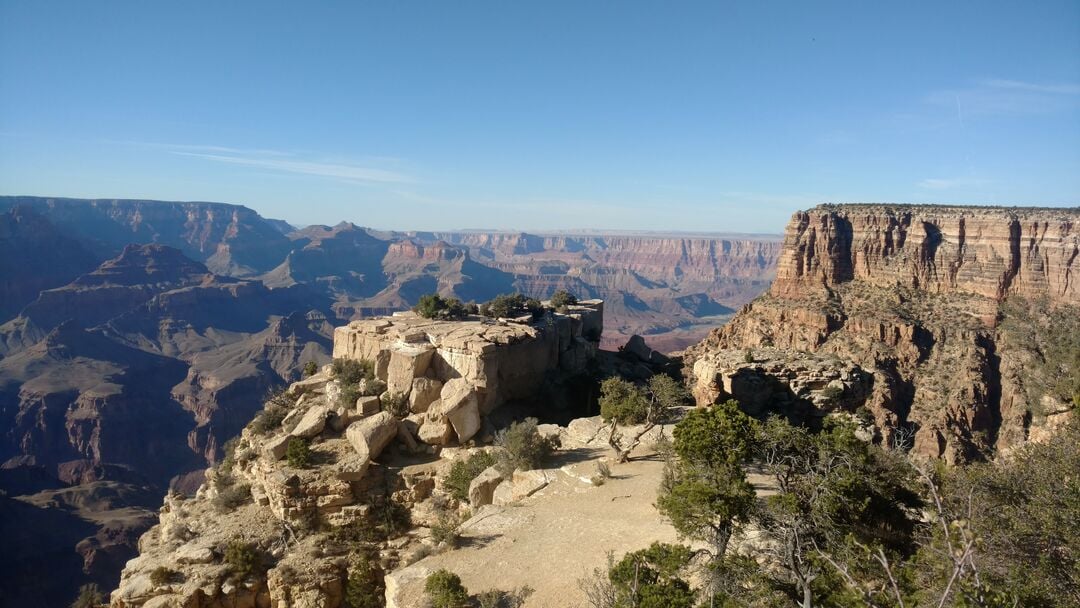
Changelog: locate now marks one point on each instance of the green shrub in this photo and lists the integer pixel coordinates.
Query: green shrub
(232, 496)
(243, 560)
(90, 596)
(352, 371)
(349, 394)
(511, 305)
(462, 472)
(395, 403)
(310, 369)
(163, 576)
(444, 590)
(269, 419)
(496, 598)
(447, 528)
(523, 447)
(832, 394)
(364, 587)
(434, 306)
(623, 402)
(562, 298)
(298, 453)
(748, 356)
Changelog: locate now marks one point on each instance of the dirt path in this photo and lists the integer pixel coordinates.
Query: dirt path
(553, 538)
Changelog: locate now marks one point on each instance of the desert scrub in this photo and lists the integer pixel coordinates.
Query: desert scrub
(352, 371)
(523, 447)
(243, 560)
(231, 495)
(623, 402)
(310, 369)
(298, 453)
(364, 588)
(163, 576)
(444, 590)
(447, 528)
(269, 419)
(397, 404)
(496, 598)
(462, 472)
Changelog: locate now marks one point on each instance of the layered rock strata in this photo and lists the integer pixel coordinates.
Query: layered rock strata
(963, 315)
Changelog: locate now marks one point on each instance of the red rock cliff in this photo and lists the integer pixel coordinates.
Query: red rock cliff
(969, 318)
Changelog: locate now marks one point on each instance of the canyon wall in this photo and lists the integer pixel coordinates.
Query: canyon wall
(967, 317)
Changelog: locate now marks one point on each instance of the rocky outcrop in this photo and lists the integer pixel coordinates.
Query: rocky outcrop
(941, 305)
(479, 363)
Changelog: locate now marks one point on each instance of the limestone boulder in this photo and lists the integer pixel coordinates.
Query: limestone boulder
(424, 392)
(503, 494)
(482, 488)
(368, 406)
(527, 483)
(461, 408)
(436, 431)
(275, 447)
(407, 361)
(313, 422)
(316, 383)
(372, 434)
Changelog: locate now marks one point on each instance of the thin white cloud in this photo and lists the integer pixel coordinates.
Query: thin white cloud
(1000, 97)
(344, 171)
(1056, 89)
(949, 183)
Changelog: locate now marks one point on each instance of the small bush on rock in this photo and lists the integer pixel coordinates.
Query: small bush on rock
(497, 598)
(298, 453)
(447, 528)
(444, 590)
(364, 587)
(310, 369)
(562, 298)
(268, 419)
(163, 576)
(395, 403)
(90, 596)
(231, 496)
(523, 447)
(511, 305)
(462, 472)
(242, 559)
(352, 371)
(434, 306)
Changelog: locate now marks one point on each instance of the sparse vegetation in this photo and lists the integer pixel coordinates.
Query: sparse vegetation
(90, 596)
(298, 453)
(462, 472)
(562, 299)
(832, 394)
(495, 598)
(310, 369)
(447, 528)
(352, 371)
(395, 403)
(349, 394)
(269, 419)
(243, 560)
(523, 447)
(510, 306)
(163, 576)
(624, 402)
(444, 590)
(748, 356)
(364, 588)
(434, 306)
(231, 496)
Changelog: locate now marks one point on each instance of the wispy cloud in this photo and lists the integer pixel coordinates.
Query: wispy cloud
(949, 183)
(1056, 89)
(279, 161)
(322, 169)
(1001, 97)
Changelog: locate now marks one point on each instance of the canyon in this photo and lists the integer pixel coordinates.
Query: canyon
(137, 336)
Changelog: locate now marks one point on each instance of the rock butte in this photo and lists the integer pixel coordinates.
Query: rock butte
(950, 309)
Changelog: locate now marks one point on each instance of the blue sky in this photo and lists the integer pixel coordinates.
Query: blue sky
(717, 116)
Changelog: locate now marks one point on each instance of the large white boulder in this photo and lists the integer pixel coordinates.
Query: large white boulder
(407, 361)
(424, 392)
(372, 434)
(461, 408)
(482, 488)
(313, 422)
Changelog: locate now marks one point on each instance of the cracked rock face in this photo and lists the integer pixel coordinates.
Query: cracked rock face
(955, 312)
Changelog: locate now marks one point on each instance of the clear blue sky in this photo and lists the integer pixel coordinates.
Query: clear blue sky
(723, 116)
